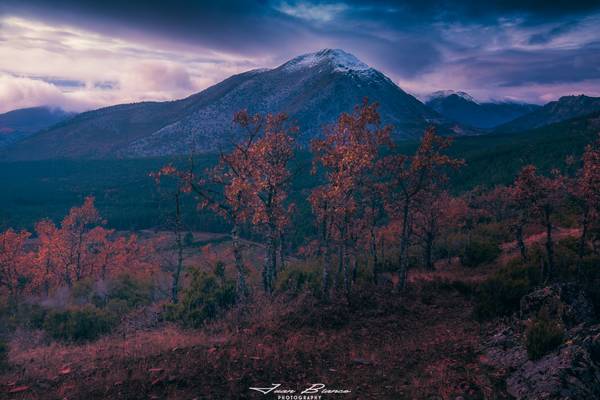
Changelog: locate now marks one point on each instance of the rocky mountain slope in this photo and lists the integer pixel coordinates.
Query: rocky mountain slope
(313, 89)
(565, 108)
(462, 108)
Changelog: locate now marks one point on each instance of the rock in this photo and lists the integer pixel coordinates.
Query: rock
(564, 302)
(594, 348)
(572, 371)
(566, 374)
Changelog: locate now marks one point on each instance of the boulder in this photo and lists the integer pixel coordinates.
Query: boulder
(568, 374)
(572, 371)
(564, 302)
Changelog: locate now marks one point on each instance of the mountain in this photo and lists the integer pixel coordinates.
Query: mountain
(462, 108)
(16, 125)
(313, 89)
(565, 108)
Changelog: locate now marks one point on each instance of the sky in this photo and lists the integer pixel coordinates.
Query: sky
(82, 54)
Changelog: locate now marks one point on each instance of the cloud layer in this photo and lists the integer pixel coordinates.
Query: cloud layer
(85, 54)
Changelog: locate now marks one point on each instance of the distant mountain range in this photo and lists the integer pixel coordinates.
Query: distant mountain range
(18, 124)
(462, 108)
(313, 89)
(565, 108)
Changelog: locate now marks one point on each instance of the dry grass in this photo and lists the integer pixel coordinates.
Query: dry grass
(381, 346)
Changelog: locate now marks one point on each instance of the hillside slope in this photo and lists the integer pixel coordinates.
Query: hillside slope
(18, 124)
(462, 108)
(312, 89)
(565, 108)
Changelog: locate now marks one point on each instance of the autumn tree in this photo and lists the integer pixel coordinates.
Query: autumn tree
(46, 259)
(541, 196)
(268, 177)
(408, 178)
(350, 203)
(249, 184)
(15, 262)
(586, 190)
(80, 248)
(175, 225)
(435, 213)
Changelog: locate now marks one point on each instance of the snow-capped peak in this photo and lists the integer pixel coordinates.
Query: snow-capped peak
(445, 93)
(339, 59)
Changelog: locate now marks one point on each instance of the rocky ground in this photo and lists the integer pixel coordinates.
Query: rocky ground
(572, 371)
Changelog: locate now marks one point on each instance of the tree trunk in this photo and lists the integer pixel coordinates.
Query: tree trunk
(179, 244)
(242, 289)
(281, 246)
(549, 244)
(429, 252)
(521, 241)
(374, 258)
(403, 267)
(584, 230)
(270, 262)
(346, 269)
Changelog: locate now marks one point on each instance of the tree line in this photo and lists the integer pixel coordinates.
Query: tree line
(374, 209)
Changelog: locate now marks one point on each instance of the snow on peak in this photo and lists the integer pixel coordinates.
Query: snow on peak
(339, 59)
(445, 93)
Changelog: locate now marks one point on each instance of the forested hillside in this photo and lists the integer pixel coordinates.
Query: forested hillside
(267, 255)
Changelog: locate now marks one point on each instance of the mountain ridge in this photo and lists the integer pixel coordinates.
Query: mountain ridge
(565, 108)
(462, 108)
(16, 125)
(313, 89)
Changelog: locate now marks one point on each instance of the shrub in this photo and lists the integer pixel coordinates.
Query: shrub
(3, 355)
(188, 239)
(84, 292)
(590, 278)
(479, 252)
(130, 290)
(78, 324)
(542, 336)
(203, 300)
(501, 294)
(302, 276)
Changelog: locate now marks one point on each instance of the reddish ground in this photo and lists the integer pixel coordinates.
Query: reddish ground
(422, 345)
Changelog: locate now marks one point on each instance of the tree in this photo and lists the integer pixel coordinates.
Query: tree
(15, 262)
(46, 257)
(350, 201)
(408, 178)
(249, 185)
(80, 248)
(75, 238)
(176, 227)
(541, 196)
(435, 212)
(586, 191)
(266, 180)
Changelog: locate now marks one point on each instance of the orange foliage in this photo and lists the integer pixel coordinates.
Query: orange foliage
(78, 249)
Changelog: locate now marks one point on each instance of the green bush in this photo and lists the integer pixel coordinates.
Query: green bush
(590, 279)
(479, 252)
(130, 290)
(78, 324)
(543, 336)
(302, 276)
(501, 294)
(3, 355)
(84, 292)
(206, 297)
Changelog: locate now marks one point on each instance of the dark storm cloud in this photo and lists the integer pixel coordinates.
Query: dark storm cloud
(494, 42)
(520, 68)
